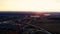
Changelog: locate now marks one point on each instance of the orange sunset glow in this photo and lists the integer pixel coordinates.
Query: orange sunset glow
(39, 13)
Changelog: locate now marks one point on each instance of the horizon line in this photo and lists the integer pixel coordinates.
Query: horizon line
(29, 11)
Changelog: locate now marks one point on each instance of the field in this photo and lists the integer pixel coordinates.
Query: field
(53, 28)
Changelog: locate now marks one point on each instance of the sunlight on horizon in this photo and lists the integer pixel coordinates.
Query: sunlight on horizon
(30, 5)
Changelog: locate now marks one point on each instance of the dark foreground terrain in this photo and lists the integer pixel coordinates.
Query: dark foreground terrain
(50, 22)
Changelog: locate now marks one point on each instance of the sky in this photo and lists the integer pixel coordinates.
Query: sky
(30, 5)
